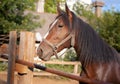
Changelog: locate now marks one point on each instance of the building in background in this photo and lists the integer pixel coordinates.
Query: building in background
(40, 6)
(98, 4)
(48, 18)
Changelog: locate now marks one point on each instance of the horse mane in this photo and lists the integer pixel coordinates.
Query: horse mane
(90, 47)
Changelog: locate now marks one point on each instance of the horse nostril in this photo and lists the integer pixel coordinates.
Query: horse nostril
(39, 52)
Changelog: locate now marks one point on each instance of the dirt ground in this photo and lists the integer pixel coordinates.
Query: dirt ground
(44, 80)
(54, 81)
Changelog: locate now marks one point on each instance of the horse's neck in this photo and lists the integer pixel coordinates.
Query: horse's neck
(91, 48)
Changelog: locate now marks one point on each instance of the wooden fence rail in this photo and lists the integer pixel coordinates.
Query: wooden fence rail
(57, 72)
(75, 64)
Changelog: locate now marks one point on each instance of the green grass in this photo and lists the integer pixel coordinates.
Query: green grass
(66, 68)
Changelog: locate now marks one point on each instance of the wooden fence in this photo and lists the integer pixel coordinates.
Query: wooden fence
(42, 73)
(25, 59)
(23, 48)
(74, 64)
(26, 52)
(4, 39)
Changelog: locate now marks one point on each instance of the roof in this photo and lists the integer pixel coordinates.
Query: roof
(46, 19)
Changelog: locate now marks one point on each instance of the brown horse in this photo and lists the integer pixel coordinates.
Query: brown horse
(99, 60)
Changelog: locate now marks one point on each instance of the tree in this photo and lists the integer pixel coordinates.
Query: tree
(70, 55)
(51, 5)
(12, 15)
(85, 11)
(107, 25)
(110, 28)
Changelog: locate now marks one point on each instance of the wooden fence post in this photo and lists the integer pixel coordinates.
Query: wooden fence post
(12, 56)
(26, 53)
(76, 68)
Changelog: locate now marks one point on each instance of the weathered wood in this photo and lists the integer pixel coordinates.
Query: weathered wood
(75, 64)
(75, 68)
(58, 62)
(68, 75)
(26, 53)
(12, 56)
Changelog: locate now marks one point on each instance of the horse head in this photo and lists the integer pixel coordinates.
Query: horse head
(59, 35)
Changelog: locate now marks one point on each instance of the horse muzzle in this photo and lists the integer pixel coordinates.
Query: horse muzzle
(44, 52)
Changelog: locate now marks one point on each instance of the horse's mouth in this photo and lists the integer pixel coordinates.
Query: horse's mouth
(40, 53)
(45, 58)
(42, 56)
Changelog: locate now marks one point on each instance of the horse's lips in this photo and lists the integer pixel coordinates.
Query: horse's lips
(40, 53)
(45, 57)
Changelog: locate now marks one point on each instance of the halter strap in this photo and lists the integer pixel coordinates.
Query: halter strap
(72, 39)
(55, 47)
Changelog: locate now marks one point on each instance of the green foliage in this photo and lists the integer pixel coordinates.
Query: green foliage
(3, 66)
(83, 10)
(107, 25)
(110, 28)
(51, 5)
(12, 15)
(70, 56)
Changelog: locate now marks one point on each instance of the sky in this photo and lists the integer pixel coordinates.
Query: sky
(111, 3)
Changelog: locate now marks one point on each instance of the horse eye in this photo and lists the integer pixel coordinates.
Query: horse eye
(60, 26)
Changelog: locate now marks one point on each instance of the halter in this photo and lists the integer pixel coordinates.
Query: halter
(55, 47)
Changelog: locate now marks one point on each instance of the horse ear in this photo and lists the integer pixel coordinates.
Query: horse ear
(59, 11)
(69, 13)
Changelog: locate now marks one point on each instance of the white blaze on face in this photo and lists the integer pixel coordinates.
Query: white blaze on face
(50, 28)
(53, 23)
(46, 35)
